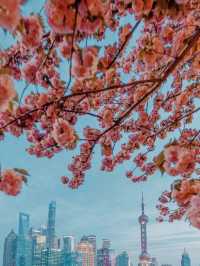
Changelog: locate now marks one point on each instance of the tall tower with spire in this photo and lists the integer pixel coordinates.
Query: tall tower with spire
(143, 220)
(51, 225)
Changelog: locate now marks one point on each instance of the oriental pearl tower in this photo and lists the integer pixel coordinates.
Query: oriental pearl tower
(144, 257)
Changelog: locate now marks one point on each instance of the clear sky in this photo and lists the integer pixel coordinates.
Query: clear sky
(107, 205)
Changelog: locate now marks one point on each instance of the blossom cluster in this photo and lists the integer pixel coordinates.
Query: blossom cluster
(137, 93)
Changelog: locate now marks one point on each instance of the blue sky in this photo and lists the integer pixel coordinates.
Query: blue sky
(107, 205)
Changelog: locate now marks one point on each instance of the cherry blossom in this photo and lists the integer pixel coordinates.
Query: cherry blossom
(7, 91)
(11, 182)
(113, 79)
(9, 14)
(64, 134)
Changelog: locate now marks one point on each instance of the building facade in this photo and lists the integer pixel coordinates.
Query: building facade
(10, 249)
(185, 259)
(122, 259)
(51, 257)
(24, 243)
(106, 243)
(103, 257)
(85, 249)
(68, 244)
(51, 225)
(38, 244)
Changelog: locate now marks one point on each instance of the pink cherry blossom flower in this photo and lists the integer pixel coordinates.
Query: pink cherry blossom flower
(11, 182)
(108, 117)
(60, 15)
(9, 14)
(7, 91)
(64, 134)
(32, 35)
(193, 213)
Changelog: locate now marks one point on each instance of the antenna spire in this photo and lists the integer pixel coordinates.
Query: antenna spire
(142, 203)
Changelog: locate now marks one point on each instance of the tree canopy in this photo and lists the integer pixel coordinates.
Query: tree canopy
(133, 71)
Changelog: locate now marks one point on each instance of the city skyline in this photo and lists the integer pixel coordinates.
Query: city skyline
(71, 243)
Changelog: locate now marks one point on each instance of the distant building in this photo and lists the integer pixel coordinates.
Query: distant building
(103, 257)
(154, 262)
(185, 259)
(10, 248)
(112, 257)
(106, 243)
(72, 259)
(144, 258)
(51, 257)
(85, 249)
(24, 243)
(38, 244)
(122, 259)
(92, 240)
(51, 225)
(68, 244)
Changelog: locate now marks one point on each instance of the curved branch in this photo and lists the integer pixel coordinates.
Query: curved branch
(123, 45)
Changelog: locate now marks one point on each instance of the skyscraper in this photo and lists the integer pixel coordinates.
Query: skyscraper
(185, 259)
(103, 257)
(92, 240)
(144, 258)
(122, 259)
(85, 249)
(106, 243)
(51, 257)
(10, 248)
(38, 244)
(24, 243)
(68, 244)
(51, 225)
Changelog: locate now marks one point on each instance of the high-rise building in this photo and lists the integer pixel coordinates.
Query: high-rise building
(103, 257)
(185, 259)
(92, 240)
(10, 248)
(112, 257)
(106, 243)
(51, 225)
(122, 259)
(38, 244)
(68, 244)
(72, 259)
(24, 243)
(85, 249)
(51, 257)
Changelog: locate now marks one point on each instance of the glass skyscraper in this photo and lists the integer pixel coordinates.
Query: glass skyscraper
(51, 225)
(38, 244)
(10, 248)
(122, 259)
(103, 257)
(24, 243)
(68, 244)
(51, 257)
(185, 260)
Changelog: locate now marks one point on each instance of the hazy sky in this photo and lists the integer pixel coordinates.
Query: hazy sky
(107, 205)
